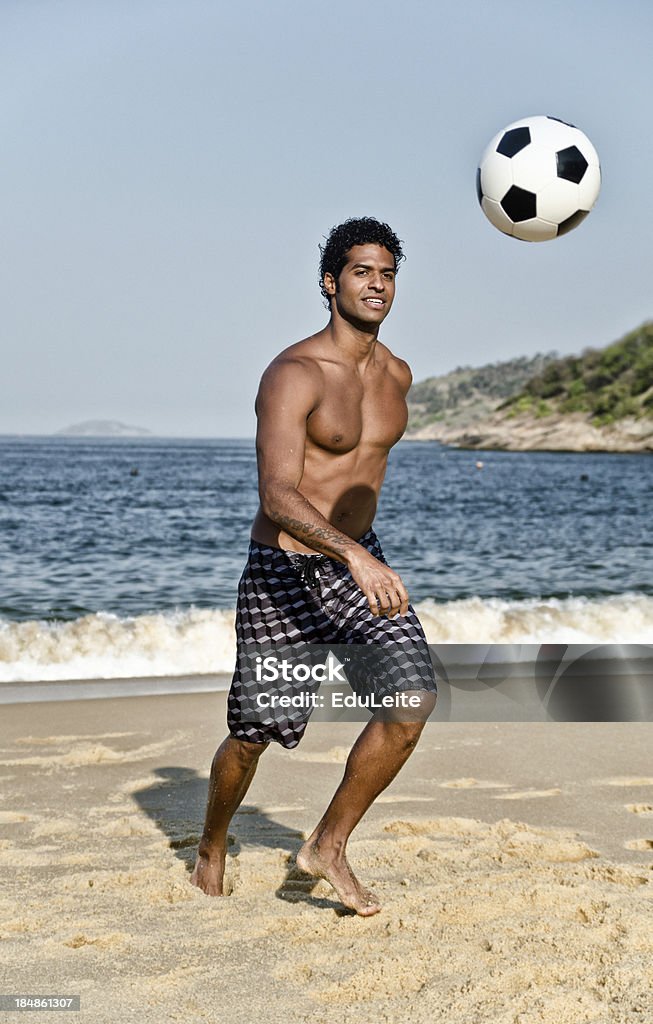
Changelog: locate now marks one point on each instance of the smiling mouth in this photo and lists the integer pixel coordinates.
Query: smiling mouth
(374, 303)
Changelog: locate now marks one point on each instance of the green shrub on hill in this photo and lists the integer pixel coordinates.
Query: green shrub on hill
(469, 391)
(607, 383)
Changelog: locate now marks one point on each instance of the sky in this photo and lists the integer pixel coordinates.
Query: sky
(168, 170)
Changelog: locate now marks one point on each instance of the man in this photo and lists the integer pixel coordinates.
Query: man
(329, 410)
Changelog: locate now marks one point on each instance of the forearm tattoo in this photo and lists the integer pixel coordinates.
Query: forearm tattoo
(331, 541)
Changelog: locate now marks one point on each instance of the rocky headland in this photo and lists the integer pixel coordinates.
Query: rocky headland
(601, 400)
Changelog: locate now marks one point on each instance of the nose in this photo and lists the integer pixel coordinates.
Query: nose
(377, 283)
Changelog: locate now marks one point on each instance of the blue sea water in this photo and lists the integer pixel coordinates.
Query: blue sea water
(98, 532)
(79, 533)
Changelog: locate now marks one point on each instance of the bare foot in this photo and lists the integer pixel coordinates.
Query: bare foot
(337, 871)
(208, 873)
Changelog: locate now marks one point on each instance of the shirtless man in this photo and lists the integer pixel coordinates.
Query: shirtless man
(329, 410)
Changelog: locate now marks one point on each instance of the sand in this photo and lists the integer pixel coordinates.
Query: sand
(514, 861)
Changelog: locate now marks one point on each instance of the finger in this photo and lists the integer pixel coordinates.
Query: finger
(380, 603)
(403, 597)
(395, 603)
(373, 602)
(398, 601)
(396, 586)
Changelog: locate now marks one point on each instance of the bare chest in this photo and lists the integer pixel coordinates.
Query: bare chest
(352, 413)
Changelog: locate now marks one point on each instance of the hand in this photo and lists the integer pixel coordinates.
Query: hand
(383, 588)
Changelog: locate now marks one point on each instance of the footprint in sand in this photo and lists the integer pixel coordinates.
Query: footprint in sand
(639, 808)
(80, 755)
(640, 844)
(616, 874)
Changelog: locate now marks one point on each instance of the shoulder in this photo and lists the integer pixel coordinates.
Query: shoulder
(295, 372)
(298, 363)
(398, 367)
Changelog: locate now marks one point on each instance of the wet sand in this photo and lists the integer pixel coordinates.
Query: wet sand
(514, 861)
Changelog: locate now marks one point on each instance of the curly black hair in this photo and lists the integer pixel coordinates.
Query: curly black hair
(355, 231)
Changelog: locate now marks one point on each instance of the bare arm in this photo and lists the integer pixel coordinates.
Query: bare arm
(288, 393)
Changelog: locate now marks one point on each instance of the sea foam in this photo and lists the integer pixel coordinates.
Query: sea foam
(202, 641)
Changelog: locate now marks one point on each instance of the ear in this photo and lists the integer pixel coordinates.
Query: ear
(330, 283)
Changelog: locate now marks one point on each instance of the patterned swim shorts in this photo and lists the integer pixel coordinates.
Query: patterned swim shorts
(292, 602)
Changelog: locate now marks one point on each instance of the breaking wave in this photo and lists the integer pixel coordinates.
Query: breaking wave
(202, 641)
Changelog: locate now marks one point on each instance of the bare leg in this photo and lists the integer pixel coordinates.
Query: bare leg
(232, 771)
(376, 757)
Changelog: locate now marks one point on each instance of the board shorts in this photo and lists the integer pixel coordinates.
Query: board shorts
(299, 604)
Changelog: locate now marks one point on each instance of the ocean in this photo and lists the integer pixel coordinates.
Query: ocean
(121, 557)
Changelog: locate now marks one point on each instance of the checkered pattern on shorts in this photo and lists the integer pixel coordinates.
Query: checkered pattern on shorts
(290, 598)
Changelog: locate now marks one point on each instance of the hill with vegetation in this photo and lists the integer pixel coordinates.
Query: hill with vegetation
(469, 393)
(601, 400)
(608, 384)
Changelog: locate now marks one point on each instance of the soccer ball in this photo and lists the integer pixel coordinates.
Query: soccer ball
(538, 178)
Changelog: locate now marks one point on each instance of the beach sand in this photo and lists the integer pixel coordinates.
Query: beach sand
(514, 862)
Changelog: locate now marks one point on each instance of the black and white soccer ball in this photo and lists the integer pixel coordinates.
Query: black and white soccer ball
(538, 178)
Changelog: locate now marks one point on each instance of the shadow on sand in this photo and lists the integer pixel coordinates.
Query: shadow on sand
(176, 805)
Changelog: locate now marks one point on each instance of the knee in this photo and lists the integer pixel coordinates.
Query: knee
(410, 721)
(247, 753)
(250, 751)
(410, 733)
(428, 700)
(422, 704)
(402, 736)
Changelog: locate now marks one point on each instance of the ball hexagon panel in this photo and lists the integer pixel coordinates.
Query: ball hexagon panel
(496, 176)
(571, 164)
(558, 201)
(519, 204)
(513, 141)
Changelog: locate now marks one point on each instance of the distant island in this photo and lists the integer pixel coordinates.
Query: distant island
(601, 400)
(102, 428)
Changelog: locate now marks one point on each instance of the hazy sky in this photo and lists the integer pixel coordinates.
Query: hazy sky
(168, 169)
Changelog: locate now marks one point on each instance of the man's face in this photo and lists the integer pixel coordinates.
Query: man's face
(365, 289)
